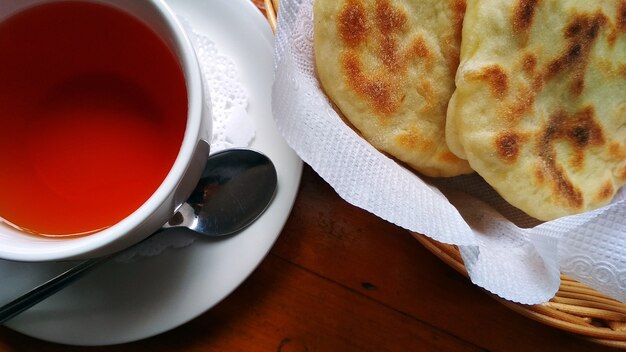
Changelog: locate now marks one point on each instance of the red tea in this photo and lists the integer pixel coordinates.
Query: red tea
(93, 109)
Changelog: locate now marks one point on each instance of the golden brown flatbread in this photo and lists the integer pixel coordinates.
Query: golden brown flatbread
(540, 106)
(389, 66)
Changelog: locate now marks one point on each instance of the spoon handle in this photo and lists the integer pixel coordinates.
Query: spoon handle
(47, 289)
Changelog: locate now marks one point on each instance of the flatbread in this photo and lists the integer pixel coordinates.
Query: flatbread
(540, 106)
(389, 67)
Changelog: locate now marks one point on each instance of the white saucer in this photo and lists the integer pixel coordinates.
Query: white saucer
(123, 302)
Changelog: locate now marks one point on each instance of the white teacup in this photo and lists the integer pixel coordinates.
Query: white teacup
(156, 210)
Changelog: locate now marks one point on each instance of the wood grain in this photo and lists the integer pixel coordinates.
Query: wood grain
(341, 279)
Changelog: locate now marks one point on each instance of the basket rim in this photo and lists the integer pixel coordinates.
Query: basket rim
(562, 311)
(576, 308)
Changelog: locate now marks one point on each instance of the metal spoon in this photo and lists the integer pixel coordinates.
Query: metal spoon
(236, 187)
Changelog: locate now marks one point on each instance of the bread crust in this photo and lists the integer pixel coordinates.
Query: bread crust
(389, 66)
(540, 106)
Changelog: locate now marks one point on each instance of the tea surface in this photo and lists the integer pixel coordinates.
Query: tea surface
(93, 110)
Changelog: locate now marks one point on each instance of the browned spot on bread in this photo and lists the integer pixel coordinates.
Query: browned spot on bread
(458, 12)
(621, 174)
(388, 53)
(497, 79)
(612, 37)
(377, 91)
(522, 20)
(577, 86)
(378, 87)
(621, 16)
(620, 23)
(523, 14)
(537, 83)
(507, 145)
(451, 41)
(381, 95)
(606, 192)
(425, 90)
(448, 157)
(562, 188)
(523, 102)
(379, 84)
(352, 69)
(389, 21)
(412, 139)
(540, 176)
(352, 23)
(419, 48)
(617, 151)
(517, 105)
(581, 131)
(610, 67)
(529, 63)
(580, 34)
(389, 18)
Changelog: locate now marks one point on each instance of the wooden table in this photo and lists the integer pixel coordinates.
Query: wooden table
(341, 279)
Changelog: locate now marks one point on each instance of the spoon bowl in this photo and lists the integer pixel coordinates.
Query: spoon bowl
(236, 187)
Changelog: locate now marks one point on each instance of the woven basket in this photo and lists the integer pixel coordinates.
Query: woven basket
(576, 308)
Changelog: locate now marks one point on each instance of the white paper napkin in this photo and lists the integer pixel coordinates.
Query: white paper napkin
(505, 251)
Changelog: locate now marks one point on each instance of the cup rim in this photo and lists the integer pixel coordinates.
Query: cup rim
(75, 247)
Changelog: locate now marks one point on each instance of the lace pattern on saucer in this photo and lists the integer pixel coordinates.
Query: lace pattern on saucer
(232, 127)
